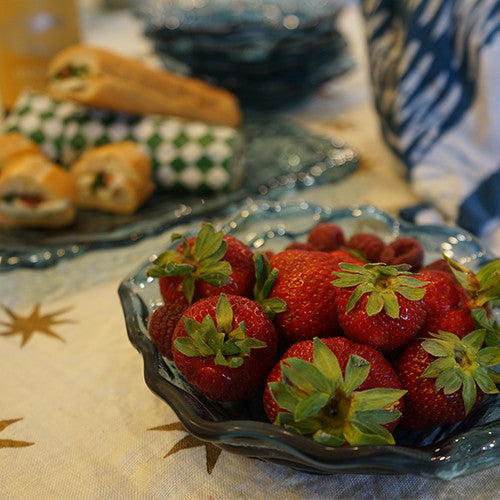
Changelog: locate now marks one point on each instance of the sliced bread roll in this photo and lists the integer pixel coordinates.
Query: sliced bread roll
(13, 144)
(105, 79)
(34, 192)
(115, 178)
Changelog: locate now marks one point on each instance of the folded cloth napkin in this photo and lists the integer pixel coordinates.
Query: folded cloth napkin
(436, 82)
(187, 156)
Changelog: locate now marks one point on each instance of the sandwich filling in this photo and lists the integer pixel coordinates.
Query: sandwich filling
(71, 77)
(17, 205)
(71, 71)
(101, 185)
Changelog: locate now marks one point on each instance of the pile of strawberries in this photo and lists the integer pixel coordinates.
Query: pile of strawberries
(346, 338)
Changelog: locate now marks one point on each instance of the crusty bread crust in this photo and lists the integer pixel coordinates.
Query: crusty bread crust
(127, 96)
(35, 172)
(126, 84)
(127, 162)
(33, 175)
(13, 144)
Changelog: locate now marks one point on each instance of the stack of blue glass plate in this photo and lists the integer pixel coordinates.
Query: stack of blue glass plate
(268, 52)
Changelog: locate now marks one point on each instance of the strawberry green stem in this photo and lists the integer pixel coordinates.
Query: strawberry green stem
(321, 402)
(202, 261)
(463, 363)
(382, 283)
(219, 340)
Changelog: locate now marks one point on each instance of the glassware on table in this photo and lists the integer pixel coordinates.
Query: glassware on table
(270, 53)
(445, 452)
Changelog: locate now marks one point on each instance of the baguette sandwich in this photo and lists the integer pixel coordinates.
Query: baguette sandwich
(34, 192)
(115, 178)
(14, 144)
(104, 79)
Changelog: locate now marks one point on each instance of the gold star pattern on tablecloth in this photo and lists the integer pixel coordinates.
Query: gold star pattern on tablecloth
(26, 326)
(10, 443)
(212, 452)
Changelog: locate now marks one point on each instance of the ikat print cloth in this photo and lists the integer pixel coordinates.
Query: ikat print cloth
(435, 73)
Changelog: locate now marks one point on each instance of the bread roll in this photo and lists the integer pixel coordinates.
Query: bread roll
(115, 178)
(35, 192)
(13, 144)
(102, 78)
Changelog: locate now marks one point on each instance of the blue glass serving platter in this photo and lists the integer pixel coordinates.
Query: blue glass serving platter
(278, 154)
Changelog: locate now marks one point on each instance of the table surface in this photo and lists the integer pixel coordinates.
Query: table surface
(76, 418)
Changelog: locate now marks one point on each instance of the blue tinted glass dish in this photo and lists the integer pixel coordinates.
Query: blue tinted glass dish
(270, 54)
(277, 155)
(221, 16)
(445, 452)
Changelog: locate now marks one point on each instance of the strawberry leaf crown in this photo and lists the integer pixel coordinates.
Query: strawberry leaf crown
(201, 261)
(382, 282)
(263, 284)
(482, 287)
(487, 321)
(323, 404)
(463, 364)
(483, 293)
(226, 345)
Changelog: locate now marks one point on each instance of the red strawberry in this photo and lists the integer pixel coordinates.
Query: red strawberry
(482, 288)
(437, 265)
(162, 324)
(304, 284)
(326, 236)
(445, 378)
(172, 292)
(369, 245)
(457, 321)
(336, 392)
(209, 264)
(300, 245)
(225, 346)
(380, 306)
(404, 250)
(344, 255)
(477, 293)
(446, 305)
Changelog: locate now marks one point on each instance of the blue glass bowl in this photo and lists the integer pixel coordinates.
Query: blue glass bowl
(446, 452)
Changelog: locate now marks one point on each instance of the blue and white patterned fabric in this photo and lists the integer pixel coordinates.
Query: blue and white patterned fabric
(435, 67)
